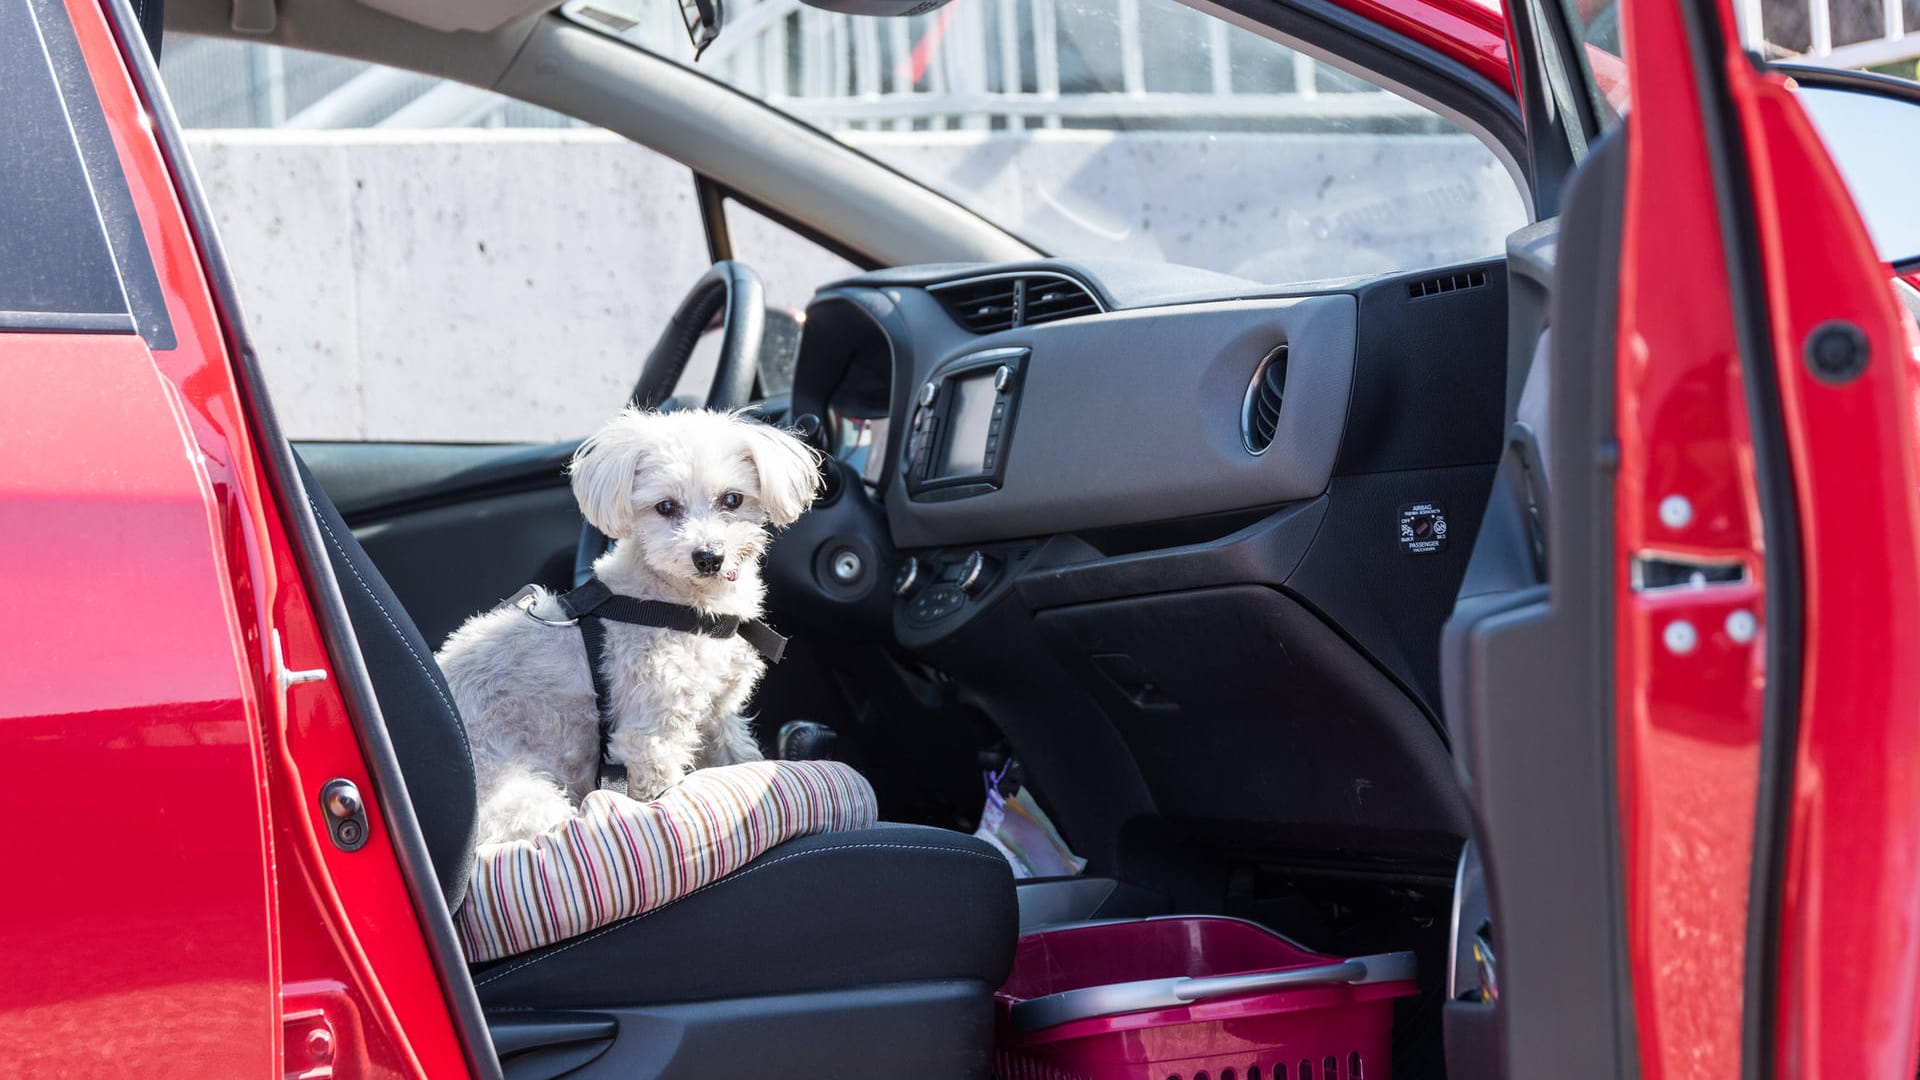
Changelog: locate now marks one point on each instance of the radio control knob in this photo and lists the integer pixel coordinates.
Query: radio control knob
(1001, 378)
(974, 573)
(927, 394)
(906, 577)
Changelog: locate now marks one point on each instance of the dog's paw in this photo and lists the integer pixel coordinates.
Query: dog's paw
(650, 781)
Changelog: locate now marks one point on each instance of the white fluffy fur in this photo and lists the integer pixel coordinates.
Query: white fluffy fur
(523, 688)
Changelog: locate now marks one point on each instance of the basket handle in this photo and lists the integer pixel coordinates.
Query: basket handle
(1384, 967)
(1045, 1012)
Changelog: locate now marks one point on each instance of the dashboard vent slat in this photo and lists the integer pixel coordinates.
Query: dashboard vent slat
(1446, 283)
(1004, 301)
(1260, 413)
(1048, 301)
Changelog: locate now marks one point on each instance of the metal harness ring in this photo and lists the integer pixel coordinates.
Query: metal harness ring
(525, 603)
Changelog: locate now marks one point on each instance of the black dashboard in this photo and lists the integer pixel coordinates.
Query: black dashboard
(1197, 496)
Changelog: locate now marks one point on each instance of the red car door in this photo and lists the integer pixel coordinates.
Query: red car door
(1768, 769)
(1692, 750)
(1765, 764)
(179, 901)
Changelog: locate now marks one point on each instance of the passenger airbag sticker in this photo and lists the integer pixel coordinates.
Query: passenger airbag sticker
(1423, 528)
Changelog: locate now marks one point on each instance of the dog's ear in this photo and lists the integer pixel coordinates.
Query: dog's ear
(603, 470)
(789, 470)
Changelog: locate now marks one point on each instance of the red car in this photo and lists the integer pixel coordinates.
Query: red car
(1539, 614)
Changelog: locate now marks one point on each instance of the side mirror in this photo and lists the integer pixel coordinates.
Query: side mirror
(1870, 125)
(779, 350)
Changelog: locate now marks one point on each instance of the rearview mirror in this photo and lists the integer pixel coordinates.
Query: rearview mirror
(703, 19)
(886, 8)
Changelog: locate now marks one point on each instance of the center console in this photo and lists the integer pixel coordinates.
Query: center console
(962, 425)
(938, 589)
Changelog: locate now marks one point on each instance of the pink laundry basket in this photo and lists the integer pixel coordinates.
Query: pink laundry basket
(1194, 998)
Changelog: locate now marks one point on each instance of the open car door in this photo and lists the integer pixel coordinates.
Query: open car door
(1673, 674)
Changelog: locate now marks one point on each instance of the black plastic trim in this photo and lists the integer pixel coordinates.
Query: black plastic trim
(1550, 147)
(290, 500)
(713, 218)
(67, 322)
(377, 496)
(1530, 691)
(1865, 82)
(935, 1029)
(518, 1032)
(112, 199)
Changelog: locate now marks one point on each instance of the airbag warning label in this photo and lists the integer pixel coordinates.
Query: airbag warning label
(1423, 528)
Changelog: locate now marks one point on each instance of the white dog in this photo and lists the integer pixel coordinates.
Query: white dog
(689, 498)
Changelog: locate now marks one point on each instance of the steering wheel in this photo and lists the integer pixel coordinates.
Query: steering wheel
(732, 292)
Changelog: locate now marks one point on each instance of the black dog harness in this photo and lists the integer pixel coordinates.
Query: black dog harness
(593, 604)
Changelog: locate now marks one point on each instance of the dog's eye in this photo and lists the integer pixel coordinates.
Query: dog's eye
(667, 507)
(731, 500)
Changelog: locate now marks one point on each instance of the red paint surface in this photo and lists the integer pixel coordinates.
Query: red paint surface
(1849, 962)
(149, 757)
(138, 890)
(1688, 725)
(1474, 34)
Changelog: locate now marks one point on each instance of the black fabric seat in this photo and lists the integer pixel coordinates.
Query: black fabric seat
(884, 905)
(870, 953)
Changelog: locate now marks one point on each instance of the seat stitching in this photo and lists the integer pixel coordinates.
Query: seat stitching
(459, 727)
(736, 876)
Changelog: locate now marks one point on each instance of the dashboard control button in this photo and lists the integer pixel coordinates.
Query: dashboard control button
(935, 604)
(928, 393)
(906, 577)
(1002, 377)
(974, 572)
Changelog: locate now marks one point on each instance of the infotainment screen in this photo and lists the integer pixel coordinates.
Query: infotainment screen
(968, 423)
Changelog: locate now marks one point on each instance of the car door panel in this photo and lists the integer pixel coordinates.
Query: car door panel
(455, 529)
(1527, 691)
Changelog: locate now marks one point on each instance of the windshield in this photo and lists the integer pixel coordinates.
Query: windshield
(1137, 129)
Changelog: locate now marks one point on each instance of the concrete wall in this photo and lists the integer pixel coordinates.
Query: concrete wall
(481, 286)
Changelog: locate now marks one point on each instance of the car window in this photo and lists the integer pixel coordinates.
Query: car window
(1139, 129)
(424, 261)
(1596, 29)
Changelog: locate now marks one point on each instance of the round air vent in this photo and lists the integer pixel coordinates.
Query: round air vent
(1260, 413)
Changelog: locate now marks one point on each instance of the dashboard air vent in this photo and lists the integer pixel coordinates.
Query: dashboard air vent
(1446, 283)
(1004, 301)
(1048, 299)
(1260, 413)
(982, 306)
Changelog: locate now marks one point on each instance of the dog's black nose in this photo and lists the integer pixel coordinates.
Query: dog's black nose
(708, 562)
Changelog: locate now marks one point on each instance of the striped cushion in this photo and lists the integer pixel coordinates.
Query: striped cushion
(620, 858)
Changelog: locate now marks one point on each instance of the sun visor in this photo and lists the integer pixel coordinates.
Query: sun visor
(482, 16)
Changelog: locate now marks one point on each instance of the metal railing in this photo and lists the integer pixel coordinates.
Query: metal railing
(1846, 34)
